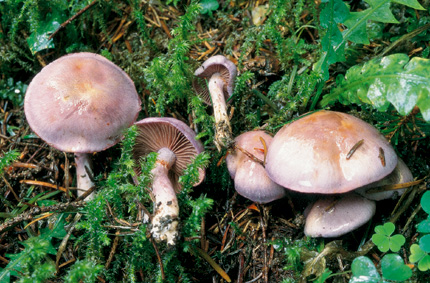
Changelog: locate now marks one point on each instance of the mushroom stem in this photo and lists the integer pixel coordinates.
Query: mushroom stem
(83, 169)
(223, 133)
(166, 208)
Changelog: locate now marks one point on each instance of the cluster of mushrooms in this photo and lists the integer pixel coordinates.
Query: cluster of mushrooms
(82, 103)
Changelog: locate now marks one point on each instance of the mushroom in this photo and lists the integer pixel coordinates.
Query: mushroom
(334, 216)
(329, 152)
(401, 174)
(214, 83)
(250, 177)
(81, 103)
(176, 145)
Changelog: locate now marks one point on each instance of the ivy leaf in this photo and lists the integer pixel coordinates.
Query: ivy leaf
(384, 81)
(393, 268)
(363, 270)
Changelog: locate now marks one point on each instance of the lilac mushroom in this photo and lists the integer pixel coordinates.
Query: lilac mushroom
(81, 103)
(327, 153)
(401, 174)
(336, 215)
(176, 145)
(250, 177)
(214, 83)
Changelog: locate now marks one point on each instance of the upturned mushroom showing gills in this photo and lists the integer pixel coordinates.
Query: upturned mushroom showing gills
(250, 177)
(214, 83)
(176, 145)
(327, 153)
(81, 103)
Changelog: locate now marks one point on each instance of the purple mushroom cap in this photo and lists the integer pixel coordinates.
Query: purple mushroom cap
(329, 152)
(250, 177)
(81, 103)
(334, 216)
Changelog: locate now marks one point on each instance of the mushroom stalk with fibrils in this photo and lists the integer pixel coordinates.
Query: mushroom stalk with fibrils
(214, 83)
(176, 145)
(81, 103)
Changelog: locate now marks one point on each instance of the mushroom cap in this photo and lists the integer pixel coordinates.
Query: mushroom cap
(401, 174)
(215, 64)
(81, 102)
(334, 216)
(163, 132)
(310, 154)
(250, 177)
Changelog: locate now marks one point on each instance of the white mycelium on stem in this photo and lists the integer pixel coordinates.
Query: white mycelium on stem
(166, 208)
(176, 145)
(214, 83)
(223, 128)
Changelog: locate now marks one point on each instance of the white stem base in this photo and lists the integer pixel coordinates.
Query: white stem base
(166, 209)
(83, 181)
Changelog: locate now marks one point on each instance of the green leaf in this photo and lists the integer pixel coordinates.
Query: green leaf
(386, 229)
(363, 270)
(424, 226)
(425, 243)
(393, 268)
(414, 4)
(333, 47)
(324, 276)
(386, 80)
(425, 201)
(396, 242)
(424, 263)
(416, 253)
(332, 14)
(382, 242)
(39, 40)
(420, 256)
(383, 239)
(208, 6)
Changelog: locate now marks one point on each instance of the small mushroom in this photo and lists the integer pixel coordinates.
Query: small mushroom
(81, 103)
(176, 145)
(334, 216)
(250, 177)
(214, 83)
